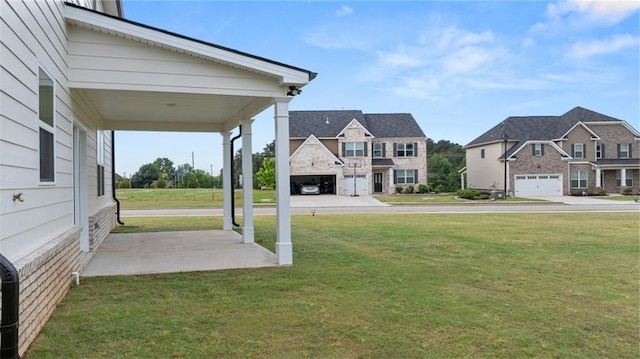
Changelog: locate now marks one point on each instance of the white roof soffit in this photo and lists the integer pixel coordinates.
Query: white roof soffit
(286, 74)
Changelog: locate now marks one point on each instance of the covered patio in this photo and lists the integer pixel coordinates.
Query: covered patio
(141, 78)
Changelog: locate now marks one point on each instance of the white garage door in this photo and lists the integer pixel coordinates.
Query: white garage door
(538, 185)
(361, 186)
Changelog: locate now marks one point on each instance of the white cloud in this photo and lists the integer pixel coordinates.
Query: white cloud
(580, 14)
(344, 11)
(582, 50)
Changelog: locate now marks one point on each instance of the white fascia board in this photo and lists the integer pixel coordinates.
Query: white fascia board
(594, 136)
(314, 139)
(123, 28)
(550, 143)
(354, 123)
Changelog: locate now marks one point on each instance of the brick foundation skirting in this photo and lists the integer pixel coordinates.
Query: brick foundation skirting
(46, 273)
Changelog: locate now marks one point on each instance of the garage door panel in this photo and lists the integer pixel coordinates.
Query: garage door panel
(536, 185)
(361, 185)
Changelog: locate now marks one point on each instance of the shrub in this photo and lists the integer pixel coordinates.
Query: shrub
(399, 189)
(423, 188)
(408, 189)
(627, 191)
(469, 194)
(161, 183)
(146, 185)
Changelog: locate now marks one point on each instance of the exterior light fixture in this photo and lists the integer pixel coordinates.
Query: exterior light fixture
(293, 91)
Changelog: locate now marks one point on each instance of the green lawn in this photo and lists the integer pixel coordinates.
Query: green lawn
(561, 285)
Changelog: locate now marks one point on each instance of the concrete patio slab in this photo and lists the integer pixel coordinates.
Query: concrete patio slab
(170, 252)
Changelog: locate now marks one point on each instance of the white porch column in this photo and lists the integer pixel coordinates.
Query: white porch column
(461, 180)
(284, 249)
(392, 186)
(227, 183)
(623, 177)
(598, 177)
(247, 183)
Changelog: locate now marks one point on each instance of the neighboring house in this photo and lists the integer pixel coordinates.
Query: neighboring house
(73, 73)
(347, 152)
(579, 152)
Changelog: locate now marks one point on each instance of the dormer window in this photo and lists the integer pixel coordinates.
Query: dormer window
(538, 149)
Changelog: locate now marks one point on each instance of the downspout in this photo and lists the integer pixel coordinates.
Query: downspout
(233, 199)
(10, 303)
(113, 176)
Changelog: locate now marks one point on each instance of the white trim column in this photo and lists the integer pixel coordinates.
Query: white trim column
(462, 181)
(247, 183)
(392, 186)
(623, 177)
(227, 196)
(284, 248)
(598, 177)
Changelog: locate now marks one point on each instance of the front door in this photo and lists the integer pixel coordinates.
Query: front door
(377, 182)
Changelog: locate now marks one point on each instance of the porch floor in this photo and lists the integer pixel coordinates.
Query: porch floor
(170, 252)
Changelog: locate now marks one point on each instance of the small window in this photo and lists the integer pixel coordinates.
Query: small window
(378, 151)
(537, 149)
(579, 179)
(599, 150)
(578, 150)
(46, 114)
(354, 149)
(482, 153)
(628, 180)
(405, 150)
(405, 176)
(623, 151)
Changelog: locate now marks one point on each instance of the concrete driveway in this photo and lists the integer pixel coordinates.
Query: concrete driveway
(329, 200)
(579, 200)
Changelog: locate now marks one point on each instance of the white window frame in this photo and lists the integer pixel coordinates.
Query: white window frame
(377, 150)
(404, 149)
(482, 153)
(354, 149)
(49, 128)
(576, 151)
(598, 151)
(537, 149)
(625, 151)
(402, 176)
(579, 177)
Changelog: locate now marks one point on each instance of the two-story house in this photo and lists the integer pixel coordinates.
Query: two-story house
(579, 152)
(349, 153)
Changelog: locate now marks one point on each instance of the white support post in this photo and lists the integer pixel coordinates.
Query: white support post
(247, 183)
(598, 177)
(462, 180)
(623, 177)
(284, 249)
(392, 186)
(227, 183)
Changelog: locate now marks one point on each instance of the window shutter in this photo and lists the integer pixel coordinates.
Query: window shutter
(573, 150)
(415, 149)
(395, 174)
(364, 145)
(533, 149)
(395, 149)
(384, 154)
(415, 176)
(542, 149)
(618, 150)
(584, 150)
(601, 150)
(344, 149)
(630, 153)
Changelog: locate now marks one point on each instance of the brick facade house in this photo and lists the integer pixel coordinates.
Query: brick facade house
(347, 152)
(579, 152)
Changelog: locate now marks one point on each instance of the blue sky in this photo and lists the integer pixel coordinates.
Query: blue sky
(459, 67)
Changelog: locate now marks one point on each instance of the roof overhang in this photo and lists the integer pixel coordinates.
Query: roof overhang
(143, 78)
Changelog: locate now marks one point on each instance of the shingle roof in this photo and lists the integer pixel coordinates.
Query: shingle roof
(328, 124)
(538, 128)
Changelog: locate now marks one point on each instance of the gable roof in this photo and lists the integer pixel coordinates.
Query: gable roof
(313, 140)
(329, 124)
(520, 129)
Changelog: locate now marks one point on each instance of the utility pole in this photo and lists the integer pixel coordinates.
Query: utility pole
(193, 162)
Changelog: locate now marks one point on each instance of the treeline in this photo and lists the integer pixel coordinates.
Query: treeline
(444, 160)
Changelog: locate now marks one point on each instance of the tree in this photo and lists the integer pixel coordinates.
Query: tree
(267, 174)
(165, 165)
(145, 175)
(442, 177)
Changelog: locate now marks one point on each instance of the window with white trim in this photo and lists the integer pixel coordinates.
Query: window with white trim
(405, 176)
(100, 161)
(46, 113)
(537, 149)
(578, 150)
(579, 179)
(628, 178)
(354, 149)
(404, 150)
(623, 150)
(378, 151)
(599, 151)
(482, 153)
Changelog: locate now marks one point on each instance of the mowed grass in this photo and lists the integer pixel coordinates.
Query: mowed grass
(561, 285)
(156, 198)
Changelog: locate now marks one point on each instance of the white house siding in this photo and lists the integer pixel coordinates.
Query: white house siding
(39, 235)
(484, 173)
